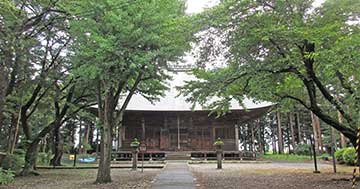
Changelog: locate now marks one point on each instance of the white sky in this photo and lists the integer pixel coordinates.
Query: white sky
(196, 6)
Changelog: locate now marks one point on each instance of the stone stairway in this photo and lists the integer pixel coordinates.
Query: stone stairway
(182, 155)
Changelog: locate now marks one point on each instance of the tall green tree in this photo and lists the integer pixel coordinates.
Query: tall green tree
(122, 47)
(283, 51)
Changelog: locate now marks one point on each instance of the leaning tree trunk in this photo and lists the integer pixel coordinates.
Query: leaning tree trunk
(342, 137)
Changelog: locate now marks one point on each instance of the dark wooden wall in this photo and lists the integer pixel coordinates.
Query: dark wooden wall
(182, 130)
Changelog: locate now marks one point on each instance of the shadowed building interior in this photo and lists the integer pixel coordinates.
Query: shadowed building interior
(184, 130)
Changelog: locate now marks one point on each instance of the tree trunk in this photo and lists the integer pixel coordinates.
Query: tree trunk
(57, 148)
(252, 137)
(291, 124)
(103, 175)
(30, 159)
(13, 133)
(342, 137)
(279, 133)
(3, 86)
(300, 138)
(86, 138)
(259, 136)
(317, 133)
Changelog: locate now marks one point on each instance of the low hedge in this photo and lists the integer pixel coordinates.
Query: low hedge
(349, 156)
(339, 155)
(302, 149)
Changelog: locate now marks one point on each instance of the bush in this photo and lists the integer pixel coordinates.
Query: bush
(6, 176)
(349, 156)
(302, 149)
(43, 158)
(12, 162)
(339, 155)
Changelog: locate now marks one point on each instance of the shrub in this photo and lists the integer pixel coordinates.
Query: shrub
(339, 155)
(302, 149)
(349, 156)
(43, 158)
(12, 162)
(6, 176)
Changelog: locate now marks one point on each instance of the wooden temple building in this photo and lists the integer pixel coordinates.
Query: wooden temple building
(170, 125)
(184, 130)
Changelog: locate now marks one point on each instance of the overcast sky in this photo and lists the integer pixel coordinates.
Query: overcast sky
(196, 6)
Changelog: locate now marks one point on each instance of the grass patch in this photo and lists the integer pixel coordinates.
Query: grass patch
(292, 157)
(286, 157)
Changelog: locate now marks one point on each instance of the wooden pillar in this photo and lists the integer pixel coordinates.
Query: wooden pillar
(342, 137)
(279, 132)
(252, 138)
(143, 129)
(236, 137)
(178, 131)
(120, 137)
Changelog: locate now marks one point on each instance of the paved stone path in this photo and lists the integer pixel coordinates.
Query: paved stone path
(176, 175)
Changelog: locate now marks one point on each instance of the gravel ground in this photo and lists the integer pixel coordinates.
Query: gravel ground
(270, 175)
(78, 179)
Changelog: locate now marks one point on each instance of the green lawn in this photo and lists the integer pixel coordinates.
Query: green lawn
(290, 157)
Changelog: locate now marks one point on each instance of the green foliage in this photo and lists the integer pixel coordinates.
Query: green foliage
(135, 142)
(44, 158)
(302, 149)
(12, 162)
(218, 142)
(266, 45)
(286, 157)
(6, 176)
(349, 156)
(339, 155)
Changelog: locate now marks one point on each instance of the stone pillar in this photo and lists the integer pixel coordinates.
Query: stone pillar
(219, 152)
(134, 159)
(236, 137)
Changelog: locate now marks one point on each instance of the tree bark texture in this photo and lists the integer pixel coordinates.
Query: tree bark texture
(279, 133)
(291, 124)
(57, 147)
(299, 133)
(103, 175)
(13, 133)
(342, 137)
(317, 133)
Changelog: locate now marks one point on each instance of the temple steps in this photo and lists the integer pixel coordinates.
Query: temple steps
(178, 155)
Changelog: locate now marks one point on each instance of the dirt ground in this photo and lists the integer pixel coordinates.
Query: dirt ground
(271, 175)
(79, 179)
